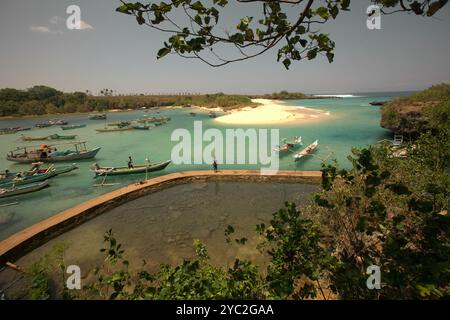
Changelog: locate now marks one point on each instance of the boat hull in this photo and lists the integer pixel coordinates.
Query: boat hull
(70, 157)
(120, 171)
(27, 188)
(27, 180)
(73, 127)
(58, 137)
(114, 130)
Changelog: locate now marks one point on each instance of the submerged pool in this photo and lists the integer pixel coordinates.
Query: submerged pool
(161, 227)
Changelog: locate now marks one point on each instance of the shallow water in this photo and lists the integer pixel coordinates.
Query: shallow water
(352, 123)
(160, 227)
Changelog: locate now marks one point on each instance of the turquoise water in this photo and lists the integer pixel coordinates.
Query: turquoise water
(352, 123)
(160, 228)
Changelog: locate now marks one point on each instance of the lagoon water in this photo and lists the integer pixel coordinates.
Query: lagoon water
(352, 123)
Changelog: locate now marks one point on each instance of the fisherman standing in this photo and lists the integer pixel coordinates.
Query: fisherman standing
(130, 163)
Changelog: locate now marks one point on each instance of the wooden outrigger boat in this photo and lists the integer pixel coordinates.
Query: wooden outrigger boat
(119, 124)
(26, 188)
(288, 146)
(17, 181)
(114, 129)
(118, 171)
(36, 168)
(43, 125)
(60, 122)
(49, 153)
(307, 150)
(97, 116)
(154, 119)
(58, 137)
(13, 130)
(27, 138)
(141, 127)
(74, 126)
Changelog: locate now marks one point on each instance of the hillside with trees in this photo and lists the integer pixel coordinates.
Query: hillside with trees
(413, 115)
(40, 100)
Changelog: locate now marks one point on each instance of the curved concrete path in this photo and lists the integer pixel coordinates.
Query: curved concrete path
(30, 238)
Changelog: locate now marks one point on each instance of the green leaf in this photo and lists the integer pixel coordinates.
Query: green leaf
(312, 54)
(287, 63)
(123, 9)
(322, 12)
(330, 57)
(334, 11)
(198, 6)
(163, 52)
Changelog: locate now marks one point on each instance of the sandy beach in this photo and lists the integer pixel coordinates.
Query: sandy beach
(272, 112)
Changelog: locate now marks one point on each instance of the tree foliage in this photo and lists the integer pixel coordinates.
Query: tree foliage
(290, 26)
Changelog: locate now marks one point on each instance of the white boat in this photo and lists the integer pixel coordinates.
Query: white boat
(307, 150)
(288, 146)
(22, 189)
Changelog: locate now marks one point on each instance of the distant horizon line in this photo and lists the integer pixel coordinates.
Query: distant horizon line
(187, 93)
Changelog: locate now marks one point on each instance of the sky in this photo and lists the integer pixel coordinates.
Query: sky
(112, 51)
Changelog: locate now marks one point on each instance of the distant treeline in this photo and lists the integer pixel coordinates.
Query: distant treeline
(284, 95)
(40, 100)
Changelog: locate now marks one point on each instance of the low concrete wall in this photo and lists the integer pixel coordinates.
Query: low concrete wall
(30, 238)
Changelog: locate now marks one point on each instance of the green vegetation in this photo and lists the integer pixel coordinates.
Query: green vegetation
(220, 100)
(412, 115)
(195, 30)
(39, 275)
(285, 95)
(40, 100)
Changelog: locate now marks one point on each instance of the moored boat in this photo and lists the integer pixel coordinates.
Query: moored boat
(307, 150)
(377, 103)
(43, 125)
(22, 189)
(59, 122)
(114, 129)
(288, 146)
(27, 138)
(119, 124)
(141, 127)
(49, 153)
(97, 116)
(59, 137)
(37, 168)
(74, 126)
(22, 180)
(116, 171)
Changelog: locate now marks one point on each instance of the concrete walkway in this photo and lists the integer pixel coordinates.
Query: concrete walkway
(30, 238)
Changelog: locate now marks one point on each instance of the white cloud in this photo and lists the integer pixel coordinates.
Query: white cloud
(58, 25)
(40, 29)
(85, 26)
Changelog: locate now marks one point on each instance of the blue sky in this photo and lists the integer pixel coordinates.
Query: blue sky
(113, 51)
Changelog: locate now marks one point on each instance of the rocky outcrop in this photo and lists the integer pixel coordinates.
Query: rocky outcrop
(411, 115)
(406, 118)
